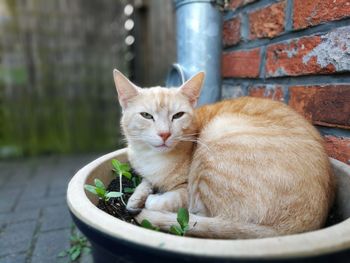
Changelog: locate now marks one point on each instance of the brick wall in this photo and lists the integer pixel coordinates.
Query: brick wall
(297, 52)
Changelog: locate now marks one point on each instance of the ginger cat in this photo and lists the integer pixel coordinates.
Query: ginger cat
(245, 168)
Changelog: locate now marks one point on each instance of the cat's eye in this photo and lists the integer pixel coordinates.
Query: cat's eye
(178, 115)
(146, 115)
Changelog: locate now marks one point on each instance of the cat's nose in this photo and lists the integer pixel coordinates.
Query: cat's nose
(164, 135)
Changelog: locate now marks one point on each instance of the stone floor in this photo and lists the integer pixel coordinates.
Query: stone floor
(35, 225)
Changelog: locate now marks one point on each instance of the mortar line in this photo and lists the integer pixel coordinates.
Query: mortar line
(289, 16)
(30, 251)
(244, 31)
(334, 79)
(333, 131)
(11, 254)
(33, 168)
(307, 32)
(250, 7)
(262, 62)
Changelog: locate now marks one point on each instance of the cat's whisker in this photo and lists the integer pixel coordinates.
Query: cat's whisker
(196, 140)
(196, 133)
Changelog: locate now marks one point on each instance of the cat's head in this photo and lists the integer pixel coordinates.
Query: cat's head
(157, 117)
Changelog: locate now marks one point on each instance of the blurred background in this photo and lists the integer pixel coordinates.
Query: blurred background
(57, 94)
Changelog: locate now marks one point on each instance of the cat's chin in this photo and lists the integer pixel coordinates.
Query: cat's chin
(162, 148)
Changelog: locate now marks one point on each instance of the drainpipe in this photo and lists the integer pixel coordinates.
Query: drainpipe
(199, 27)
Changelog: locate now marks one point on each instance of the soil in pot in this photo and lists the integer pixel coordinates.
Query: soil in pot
(115, 206)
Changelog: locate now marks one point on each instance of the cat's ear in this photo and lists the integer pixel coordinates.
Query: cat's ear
(125, 88)
(192, 88)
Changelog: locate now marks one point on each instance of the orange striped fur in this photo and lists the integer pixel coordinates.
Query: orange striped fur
(245, 168)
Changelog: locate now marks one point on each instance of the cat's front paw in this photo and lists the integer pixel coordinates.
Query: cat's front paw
(133, 209)
(154, 202)
(137, 200)
(134, 206)
(161, 202)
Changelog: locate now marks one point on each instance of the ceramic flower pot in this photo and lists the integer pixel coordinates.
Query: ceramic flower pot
(116, 241)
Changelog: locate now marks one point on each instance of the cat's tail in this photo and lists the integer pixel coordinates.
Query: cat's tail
(208, 227)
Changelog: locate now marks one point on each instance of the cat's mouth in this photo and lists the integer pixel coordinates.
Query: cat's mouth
(162, 146)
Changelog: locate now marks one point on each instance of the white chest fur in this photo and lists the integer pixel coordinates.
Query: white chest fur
(151, 165)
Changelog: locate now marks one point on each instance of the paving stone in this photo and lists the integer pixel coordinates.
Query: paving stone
(16, 238)
(56, 217)
(78, 161)
(4, 175)
(33, 192)
(36, 184)
(19, 216)
(58, 191)
(58, 186)
(19, 175)
(39, 203)
(49, 245)
(18, 258)
(8, 197)
(41, 177)
(86, 258)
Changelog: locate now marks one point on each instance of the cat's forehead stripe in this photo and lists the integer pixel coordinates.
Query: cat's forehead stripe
(163, 98)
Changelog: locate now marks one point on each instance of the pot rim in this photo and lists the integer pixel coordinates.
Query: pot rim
(327, 240)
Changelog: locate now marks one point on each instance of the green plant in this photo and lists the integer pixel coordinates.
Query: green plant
(136, 180)
(123, 169)
(100, 190)
(183, 218)
(79, 245)
(147, 224)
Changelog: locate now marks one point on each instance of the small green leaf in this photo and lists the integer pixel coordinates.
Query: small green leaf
(127, 175)
(62, 254)
(125, 167)
(99, 184)
(129, 190)
(101, 192)
(122, 168)
(185, 229)
(183, 217)
(113, 194)
(81, 239)
(90, 188)
(86, 250)
(176, 230)
(116, 164)
(136, 180)
(75, 254)
(74, 238)
(147, 224)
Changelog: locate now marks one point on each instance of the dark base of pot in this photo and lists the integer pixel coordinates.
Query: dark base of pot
(107, 249)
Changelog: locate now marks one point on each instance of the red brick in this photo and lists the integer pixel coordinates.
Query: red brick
(268, 21)
(234, 4)
(286, 59)
(241, 64)
(338, 148)
(313, 12)
(274, 92)
(323, 105)
(232, 31)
